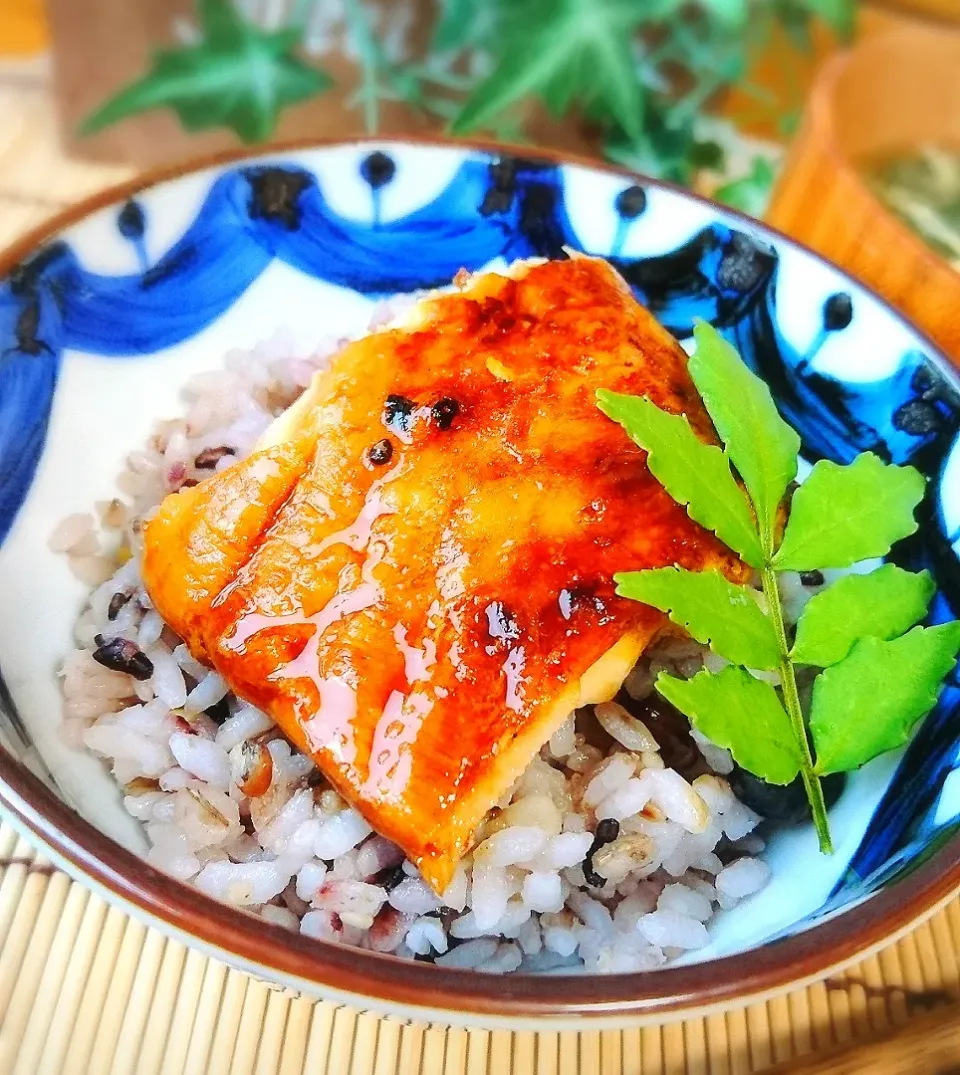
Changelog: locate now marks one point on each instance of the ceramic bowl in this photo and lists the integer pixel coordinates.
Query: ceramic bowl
(107, 310)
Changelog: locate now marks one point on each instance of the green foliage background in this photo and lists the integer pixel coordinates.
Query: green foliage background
(640, 72)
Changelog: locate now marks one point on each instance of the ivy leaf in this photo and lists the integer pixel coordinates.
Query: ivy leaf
(741, 713)
(460, 24)
(573, 49)
(711, 609)
(693, 473)
(881, 605)
(237, 76)
(759, 442)
(842, 514)
(869, 703)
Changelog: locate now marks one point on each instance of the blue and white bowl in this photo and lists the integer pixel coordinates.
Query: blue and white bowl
(105, 314)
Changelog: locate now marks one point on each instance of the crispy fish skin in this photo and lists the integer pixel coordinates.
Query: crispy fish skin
(420, 625)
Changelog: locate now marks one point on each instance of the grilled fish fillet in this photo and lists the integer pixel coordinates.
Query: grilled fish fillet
(412, 572)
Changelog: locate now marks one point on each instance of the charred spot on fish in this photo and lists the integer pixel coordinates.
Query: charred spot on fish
(573, 599)
(745, 263)
(444, 411)
(219, 711)
(381, 453)
(131, 220)
(501, 624)
(377, 169)
(122, 655)
(606, 832)
(812, 578)
(837, 312)
(917, 418)
(209, 457)
(631, 203)
(176, 261)
(119, 599)
(398, 413)
(275, 195)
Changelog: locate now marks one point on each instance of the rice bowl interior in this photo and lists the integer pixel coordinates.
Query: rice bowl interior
(622, 793)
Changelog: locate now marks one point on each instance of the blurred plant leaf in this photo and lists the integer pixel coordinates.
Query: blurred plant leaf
(839, 15)
(237, 76)
(572, 50)
(751, 192)
(461, 24)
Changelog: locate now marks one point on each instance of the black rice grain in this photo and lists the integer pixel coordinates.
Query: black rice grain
(117, 602)
(380, 453)
(122, 655)
(398, 413)
(606, 832)
(444, 411)
(209, 457)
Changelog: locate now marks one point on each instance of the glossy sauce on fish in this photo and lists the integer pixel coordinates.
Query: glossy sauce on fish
(413, 574)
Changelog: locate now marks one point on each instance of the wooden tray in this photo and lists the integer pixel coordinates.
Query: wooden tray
(85, 989)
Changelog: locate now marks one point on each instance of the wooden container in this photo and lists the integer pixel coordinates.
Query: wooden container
(891, 94)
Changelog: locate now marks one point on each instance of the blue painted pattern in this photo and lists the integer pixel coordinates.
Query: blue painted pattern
(511, 208)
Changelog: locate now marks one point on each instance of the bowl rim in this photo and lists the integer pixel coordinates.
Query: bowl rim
(384, 981)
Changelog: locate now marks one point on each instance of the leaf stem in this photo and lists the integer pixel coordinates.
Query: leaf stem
(791, 700)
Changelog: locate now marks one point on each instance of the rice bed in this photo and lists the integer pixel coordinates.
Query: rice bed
(612, 853)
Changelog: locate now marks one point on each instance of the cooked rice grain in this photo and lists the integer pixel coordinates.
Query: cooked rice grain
(230, 807)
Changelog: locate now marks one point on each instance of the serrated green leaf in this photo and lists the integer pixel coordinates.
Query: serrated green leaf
(741, 713)
(758, 441)
(693, 473)
(869, 703)
(843, 514)
(881, 605)
(711, 609)
(238, 76)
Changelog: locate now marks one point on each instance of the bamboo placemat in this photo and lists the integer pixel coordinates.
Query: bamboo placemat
(85, 989)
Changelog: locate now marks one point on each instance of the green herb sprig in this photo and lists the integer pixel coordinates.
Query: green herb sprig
(879, 673)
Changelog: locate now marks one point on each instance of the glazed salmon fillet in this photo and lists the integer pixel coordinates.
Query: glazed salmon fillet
(412, 572)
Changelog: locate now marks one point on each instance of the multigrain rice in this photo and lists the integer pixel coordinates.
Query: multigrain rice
(230, 807)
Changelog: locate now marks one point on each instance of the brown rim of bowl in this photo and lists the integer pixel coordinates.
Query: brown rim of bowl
(729, 980)
(820, 105)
